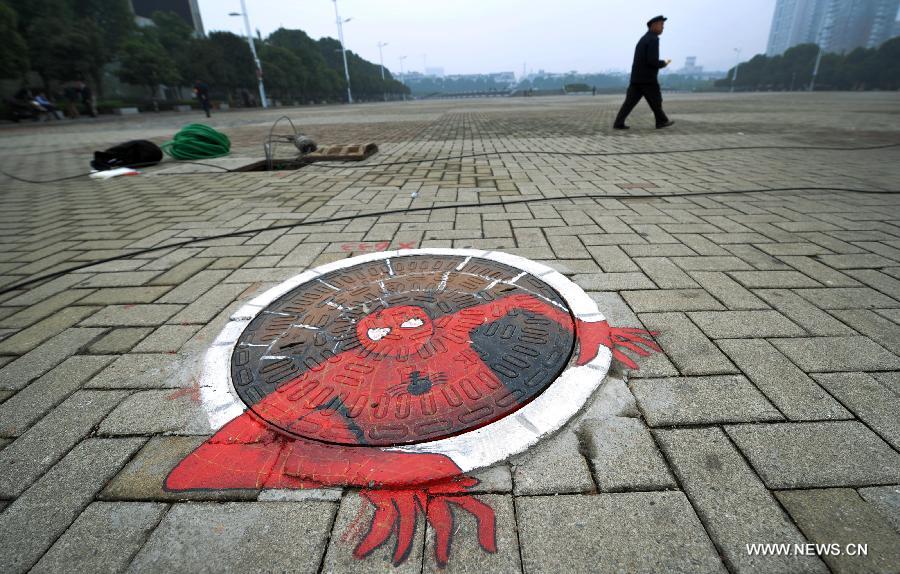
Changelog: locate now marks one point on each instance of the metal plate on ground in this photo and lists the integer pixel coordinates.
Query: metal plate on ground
(351, 152)
(403, 350)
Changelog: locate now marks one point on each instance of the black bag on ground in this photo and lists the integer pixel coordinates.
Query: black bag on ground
(136, 153)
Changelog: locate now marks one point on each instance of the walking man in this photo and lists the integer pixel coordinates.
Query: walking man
(643, 83)
(202, 91)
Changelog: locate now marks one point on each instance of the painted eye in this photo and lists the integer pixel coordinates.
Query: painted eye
(379, 333)
(412, 323)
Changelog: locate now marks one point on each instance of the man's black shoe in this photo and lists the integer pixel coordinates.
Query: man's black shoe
(621, 127)
(665, 125)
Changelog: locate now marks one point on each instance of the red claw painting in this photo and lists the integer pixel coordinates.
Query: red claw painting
(400, 373)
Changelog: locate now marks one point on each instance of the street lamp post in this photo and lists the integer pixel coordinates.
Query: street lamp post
(340, 25)
(401, 75)
(381, 61)
(736, 68)
(262, 88)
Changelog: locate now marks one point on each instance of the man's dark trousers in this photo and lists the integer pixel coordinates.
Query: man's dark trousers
(636, 91)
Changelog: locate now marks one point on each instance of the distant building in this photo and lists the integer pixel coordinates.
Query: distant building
(836, 25)
(187, 10)
(690, 67)
(434, 72)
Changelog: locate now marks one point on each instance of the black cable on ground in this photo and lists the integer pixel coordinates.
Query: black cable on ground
(619, 196)
(490, 153)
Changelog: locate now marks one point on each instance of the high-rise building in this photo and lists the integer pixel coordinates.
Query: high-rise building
(187, 10)
(836, 25)
(794, 22)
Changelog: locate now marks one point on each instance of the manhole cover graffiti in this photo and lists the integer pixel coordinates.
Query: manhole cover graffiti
(398, 351)
(399, 373)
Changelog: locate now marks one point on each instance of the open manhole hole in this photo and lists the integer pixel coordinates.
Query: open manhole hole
(403, 350)
(353, 152)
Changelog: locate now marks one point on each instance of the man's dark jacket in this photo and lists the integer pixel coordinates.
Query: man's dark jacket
(646, 60)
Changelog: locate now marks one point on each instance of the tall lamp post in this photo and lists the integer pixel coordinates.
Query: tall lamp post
(340, 25)
(259, 77)
(736, 67)
(401, 75)
(381, 61)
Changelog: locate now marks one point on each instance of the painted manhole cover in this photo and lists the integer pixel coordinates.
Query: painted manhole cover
(403, 350)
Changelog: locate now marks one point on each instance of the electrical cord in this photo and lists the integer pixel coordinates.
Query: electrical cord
(304, 223)
(197, 141)
(484, 154)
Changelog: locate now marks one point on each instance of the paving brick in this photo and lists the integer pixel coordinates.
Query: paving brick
(166, 339)
(890, 380)
(733, 504)
(671, 300)
(30, 525)
(612, 259)
(131, 315)
(623, 455)
(820, 272)
(847, 298)
(879, 281)
(744, 324)
(686, 345)
(856, 261)
(886, 501)
(727, 290)
(124, 295)
(31, 403)
(119, 279)
(145, 474)
(466, 555)
(30, 455)
(873, 403)
(103, 538)
(351, 526)
(40, 309)
(156, 412)
(190, 290)
(828, 354)
(773, 279)
(804, 313)
(239, 536)
(665, 274)
(26, 340)
(613, 281)
(19, 373)
(620, 532)
(209, 305)
(839, 516)
(711, 263)
(701, 400)
(118, 341)
(815, 455)
(555, 465)
(148, 371)
(874, 326)
(181, 272)
(791, 391)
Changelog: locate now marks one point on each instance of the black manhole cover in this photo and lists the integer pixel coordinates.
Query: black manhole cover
(403, 350)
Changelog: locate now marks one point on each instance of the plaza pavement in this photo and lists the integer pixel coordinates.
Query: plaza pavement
(773, 415)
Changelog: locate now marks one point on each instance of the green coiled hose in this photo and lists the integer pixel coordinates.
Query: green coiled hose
(197, 141)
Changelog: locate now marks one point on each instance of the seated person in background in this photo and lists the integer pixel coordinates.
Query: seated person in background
(42, 100)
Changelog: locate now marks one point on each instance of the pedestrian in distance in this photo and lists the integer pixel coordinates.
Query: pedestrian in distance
(201, 89)
(644, 82)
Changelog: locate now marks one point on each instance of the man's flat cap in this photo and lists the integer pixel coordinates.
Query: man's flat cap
(659, 18)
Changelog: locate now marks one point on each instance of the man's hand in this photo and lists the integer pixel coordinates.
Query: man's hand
(668, 62)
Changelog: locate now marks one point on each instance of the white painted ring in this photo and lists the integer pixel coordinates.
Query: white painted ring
(478, 448)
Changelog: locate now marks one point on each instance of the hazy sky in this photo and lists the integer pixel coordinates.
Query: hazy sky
(478, 36)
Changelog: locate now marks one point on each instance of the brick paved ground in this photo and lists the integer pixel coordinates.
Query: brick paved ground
(772, 416)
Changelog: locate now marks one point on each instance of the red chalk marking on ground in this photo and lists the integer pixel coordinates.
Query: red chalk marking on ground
(193, 392)
(415, 347)
(376, 247)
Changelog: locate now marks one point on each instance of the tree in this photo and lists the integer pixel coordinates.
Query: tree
(13, 50)
(146, 63)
